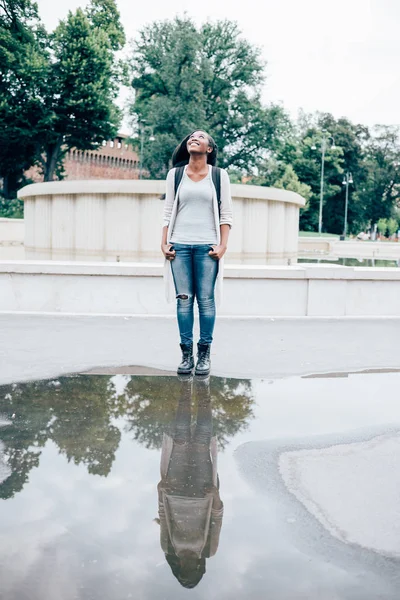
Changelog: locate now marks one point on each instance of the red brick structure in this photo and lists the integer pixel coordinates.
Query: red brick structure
(115, 159)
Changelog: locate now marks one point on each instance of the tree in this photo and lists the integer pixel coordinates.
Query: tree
(81, 98)
(280, 175)
(187, 78)
(343, 152)
(351, 139)
(104, 16)
(23, 79)
(57, 91)
(381, 189)
(382, 226)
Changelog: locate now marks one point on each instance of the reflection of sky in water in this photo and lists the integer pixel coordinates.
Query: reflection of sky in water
(69, 534)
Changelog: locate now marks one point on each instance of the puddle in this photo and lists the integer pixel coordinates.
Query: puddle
(351, 262)
(145, 487)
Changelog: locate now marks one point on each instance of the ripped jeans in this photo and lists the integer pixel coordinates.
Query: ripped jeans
(195, 274)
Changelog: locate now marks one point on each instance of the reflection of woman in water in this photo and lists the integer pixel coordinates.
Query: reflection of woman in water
(190, 508)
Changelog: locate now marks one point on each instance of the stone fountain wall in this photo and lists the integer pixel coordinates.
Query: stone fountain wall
(121, 221)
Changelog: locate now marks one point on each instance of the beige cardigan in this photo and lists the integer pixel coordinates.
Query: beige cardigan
(197, 514)
(225, 217)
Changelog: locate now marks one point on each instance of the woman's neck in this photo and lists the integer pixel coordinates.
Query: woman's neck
(198, 164)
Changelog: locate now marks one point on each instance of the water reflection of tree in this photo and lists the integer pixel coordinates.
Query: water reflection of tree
(78, 413)
(74, 412)
(149, 405)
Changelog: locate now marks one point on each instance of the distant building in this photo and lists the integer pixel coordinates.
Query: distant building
(115, 159)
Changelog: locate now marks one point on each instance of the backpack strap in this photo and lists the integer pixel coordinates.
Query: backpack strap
(216, 177)
(178, 177)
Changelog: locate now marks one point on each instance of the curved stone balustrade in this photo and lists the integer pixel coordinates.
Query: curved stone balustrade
(121, 221)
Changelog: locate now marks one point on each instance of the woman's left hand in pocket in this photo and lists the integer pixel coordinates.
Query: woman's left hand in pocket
(217, 252)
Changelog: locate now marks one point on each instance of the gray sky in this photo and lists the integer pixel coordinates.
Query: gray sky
(339, 57)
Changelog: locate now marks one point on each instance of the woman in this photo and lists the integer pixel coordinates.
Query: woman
(194, 241)
(189, 505)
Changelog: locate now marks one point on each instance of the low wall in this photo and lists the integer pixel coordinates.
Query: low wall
(121, 221)
(309, 246)
(12, 232)
(137, 288)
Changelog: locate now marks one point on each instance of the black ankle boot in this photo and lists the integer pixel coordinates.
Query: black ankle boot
(187, 364)
(203, 364)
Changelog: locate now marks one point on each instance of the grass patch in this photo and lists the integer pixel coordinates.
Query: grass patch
(316, 234)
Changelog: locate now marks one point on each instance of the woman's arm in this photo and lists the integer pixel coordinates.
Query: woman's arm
(169, 203)
(165, 247)
(169, 197)
(225, 218)
(217, 513)
(220, 250)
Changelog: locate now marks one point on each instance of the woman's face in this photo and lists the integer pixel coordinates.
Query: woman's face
(198, 143)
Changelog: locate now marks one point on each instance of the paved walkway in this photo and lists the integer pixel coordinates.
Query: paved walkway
(33, 347)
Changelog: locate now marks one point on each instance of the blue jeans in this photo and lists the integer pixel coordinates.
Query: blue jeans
(195, 274)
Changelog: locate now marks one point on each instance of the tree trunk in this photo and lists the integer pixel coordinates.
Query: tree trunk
(52, 156)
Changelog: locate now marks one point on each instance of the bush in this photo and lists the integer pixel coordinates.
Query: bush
(11, 209)
(382, 226)
(392, 226)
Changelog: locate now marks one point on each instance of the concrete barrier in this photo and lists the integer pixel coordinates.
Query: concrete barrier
(249, 291)
(12, 232)
(310, 246)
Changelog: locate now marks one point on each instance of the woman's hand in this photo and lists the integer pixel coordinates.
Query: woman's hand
(217, 252)
(168, 253)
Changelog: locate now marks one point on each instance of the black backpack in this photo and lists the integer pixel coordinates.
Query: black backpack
(216, 177)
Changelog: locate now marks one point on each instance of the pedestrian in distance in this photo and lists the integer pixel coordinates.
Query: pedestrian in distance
(197, 221)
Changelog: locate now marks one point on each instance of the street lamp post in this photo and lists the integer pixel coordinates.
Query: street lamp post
(325, 137)
(321, 192)
(346, 181)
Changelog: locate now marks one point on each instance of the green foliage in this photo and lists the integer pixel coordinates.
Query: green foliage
(381, 186)
(187, 78)
(277, 174)
(11, 209)
(382, 226)
(82, 98)
(105, 17)
(23, 74)
(392, 226)
(302, 151)
(290, 181)
(56, 91)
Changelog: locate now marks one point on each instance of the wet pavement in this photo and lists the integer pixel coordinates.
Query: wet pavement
(148, 487)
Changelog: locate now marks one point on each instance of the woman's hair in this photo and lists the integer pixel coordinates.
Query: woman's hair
(188, 573)
(181, 155)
